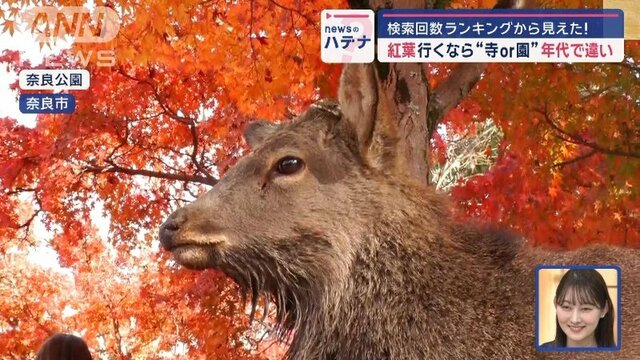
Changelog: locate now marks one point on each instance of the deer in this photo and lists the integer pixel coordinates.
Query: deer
(362, 261)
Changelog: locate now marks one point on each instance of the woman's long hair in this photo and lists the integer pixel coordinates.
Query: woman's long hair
(64, 347)
(586, 286)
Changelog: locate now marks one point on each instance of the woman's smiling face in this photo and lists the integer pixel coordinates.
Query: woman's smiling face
(578, 320)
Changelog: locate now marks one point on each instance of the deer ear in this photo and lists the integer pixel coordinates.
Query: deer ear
(257, 131)
(366, 104)
(358, 96)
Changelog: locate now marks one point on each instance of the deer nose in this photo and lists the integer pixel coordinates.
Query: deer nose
(170, 228)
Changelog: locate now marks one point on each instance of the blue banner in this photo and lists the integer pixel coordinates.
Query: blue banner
(47, 103)
(500, 23)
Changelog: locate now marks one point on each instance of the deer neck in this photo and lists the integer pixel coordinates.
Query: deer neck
(392, 294)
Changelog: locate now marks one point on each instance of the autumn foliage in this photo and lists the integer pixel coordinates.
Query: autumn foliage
(159, 127)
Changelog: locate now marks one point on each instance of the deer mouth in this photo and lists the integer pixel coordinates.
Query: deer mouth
(196, 240)
(195, 257)
(197, 254)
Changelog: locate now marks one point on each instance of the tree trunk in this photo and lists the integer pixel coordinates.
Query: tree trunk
(418, 108)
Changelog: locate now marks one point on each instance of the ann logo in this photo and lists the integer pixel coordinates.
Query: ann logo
(50, 23)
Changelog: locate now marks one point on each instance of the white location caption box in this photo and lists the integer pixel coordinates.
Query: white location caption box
(54, 79)
(347, 36)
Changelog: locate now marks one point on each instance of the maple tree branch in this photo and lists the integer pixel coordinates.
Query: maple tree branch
(194, 153)
(578, 140)
(172, 150)
(254, 55)
(575, 160)
(116, 329)
(20, 190)
(189, 121)
(164, 163)
(310, 21)
(296, 58)
(186, 188)
(111, 158)
(199, 166)
(163, 104)
(25, 308)
(167, 108)
(149, 173)
(460, 82)
(202, 158)
(180, 201)
(26, 226)
(123, 142)
(451, 91)
(253, 50)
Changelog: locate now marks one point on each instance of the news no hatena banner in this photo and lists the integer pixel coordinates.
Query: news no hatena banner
(506, 35)
(552, 35)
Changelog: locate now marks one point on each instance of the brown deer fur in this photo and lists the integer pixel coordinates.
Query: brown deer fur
(364, 263)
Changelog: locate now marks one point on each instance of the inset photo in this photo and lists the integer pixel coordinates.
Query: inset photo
(578, 308)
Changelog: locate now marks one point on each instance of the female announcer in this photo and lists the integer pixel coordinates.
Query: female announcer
(584, 311)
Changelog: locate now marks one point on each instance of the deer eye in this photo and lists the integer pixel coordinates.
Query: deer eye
(289, 165)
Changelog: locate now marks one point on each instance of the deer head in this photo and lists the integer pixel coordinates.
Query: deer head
(286, 219)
